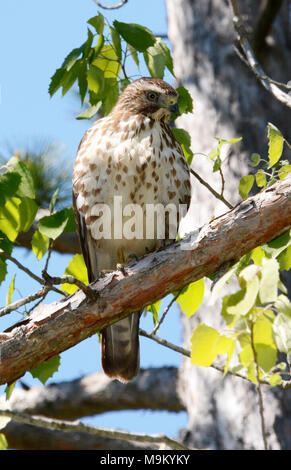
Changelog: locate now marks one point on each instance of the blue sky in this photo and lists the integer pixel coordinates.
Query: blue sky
(35, 37)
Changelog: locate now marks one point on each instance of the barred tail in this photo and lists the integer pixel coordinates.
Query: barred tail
(120, 348)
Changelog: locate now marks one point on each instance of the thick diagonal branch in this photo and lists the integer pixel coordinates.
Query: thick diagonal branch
(56, 327)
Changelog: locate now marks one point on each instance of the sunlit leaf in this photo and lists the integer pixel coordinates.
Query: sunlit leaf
(76, 268)
(184, 139)
(269, 280)
(204, 345)
(97, 22)
(192, 298)
(46, 370)
(255, 159)
(261, 179)
(39, 244)
(55, 224)
(10, 218)
(10, 291)
(245, 185)
(282, 332)
(3, 442)
(90, 112)
(276, 144)
(107, 61)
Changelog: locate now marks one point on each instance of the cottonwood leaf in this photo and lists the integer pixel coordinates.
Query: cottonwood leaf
(191, 299)
(276, 144)
(10, 291)
(185, 101)
(136, 35)
(269, 280)
(245, 185)
(55, 224)
(40, 244)
(47, 369)
(76, 268)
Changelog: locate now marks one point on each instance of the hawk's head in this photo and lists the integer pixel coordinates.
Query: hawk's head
(151, 97)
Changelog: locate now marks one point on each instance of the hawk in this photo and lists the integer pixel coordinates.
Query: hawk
(131, 153)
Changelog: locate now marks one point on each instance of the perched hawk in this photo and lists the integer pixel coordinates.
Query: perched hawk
(132, 154)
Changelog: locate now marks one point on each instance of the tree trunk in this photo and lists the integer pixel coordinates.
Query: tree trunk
(229, 102)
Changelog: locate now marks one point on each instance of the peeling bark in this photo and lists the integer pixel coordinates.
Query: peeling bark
(56, 327)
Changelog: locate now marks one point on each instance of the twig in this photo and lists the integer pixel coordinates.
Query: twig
(71, 280)
(261, 402)
(165, 312)
(25, 300)
(222, 181)
(215, 193)
(60, 425)
(30, 273)
(252, 61)
(123, 2)
(49, 254)
(187, 353)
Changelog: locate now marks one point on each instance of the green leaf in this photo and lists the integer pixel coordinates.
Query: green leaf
(108, 62)
(133, 54)
(245, 185)
(72, 57)
(229, 301)
(82, 80)
(264, 343)
(27, 212)
(284, 171)
(70, 77)
(3, 269)
(156, 58)
(275, 380)
(10, 218)
(10, 291)
(5, 243)
(185, 101)
(255, 159)
(204, 345)
(257, 255)
(277, 246)
(46, 370)
(282, 332)
(26, 187)
(283, 305)
(155, 62)
(97, 22)
(90, 112)
(154, 309)
(53, 200)
(269, 280)
(3, 442)
(184, 139)
(88, 43)
(225, 345)
(76, 268)
(251, 292)
(136, 35)
(9, 389)
(191, 299)
(95, 78)
(40, 244)
(54, 225)
(9, 184)
(116, 41)
(217, 164)
(111, 96)
(261, 179)
(56, 81)
(167, 55)
(284, 259)
(276, 144)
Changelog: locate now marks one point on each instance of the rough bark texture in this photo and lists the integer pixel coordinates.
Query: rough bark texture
(54, 328)
(229, 102)
(152, 389)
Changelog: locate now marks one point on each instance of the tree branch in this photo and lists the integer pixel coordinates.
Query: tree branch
(251, 60)
(56, 327)
(114, 7)
(153, 389)
(58, 425)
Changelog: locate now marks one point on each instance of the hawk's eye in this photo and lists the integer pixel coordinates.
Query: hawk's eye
(152, 96)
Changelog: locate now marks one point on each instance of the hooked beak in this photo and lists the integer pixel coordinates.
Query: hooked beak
(174, 108)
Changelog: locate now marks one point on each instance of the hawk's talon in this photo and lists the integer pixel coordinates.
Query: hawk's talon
(121, 268)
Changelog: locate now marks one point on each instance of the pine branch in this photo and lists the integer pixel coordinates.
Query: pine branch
(58, 326)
